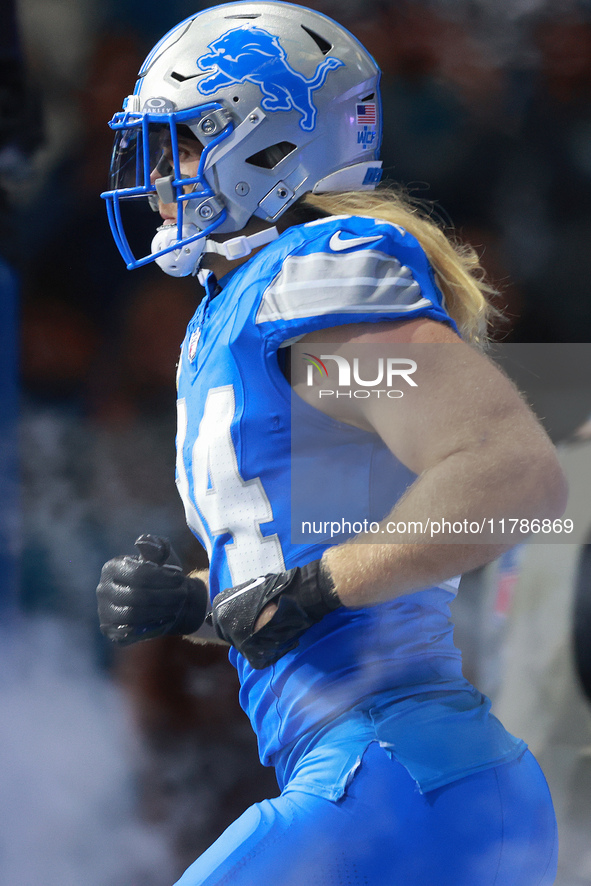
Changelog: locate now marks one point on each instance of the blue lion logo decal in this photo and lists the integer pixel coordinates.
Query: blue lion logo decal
(255, 56)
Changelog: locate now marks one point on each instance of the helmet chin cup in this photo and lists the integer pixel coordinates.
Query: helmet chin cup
(183, 261)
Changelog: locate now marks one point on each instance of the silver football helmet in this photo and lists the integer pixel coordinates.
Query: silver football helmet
(283, 101)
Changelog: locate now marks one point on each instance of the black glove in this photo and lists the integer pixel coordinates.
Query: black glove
(304, 595)
(144, 597)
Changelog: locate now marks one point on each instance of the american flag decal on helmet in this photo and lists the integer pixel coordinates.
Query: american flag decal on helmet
(366, 114)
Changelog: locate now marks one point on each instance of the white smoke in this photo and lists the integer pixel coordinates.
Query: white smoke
(67, 809)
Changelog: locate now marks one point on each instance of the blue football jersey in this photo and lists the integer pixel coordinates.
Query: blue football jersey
(235, 414)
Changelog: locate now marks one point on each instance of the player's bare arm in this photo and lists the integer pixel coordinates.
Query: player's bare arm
(476, 447)
(478, 451)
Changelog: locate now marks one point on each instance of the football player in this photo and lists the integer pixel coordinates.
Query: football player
(254, 130)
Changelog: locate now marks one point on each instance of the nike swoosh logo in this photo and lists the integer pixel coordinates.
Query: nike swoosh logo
(337, 244)
(249, 587)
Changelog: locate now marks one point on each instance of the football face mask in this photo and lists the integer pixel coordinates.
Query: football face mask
(151, 154)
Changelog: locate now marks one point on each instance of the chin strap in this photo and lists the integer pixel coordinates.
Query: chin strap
(240, 247)
(187, 258)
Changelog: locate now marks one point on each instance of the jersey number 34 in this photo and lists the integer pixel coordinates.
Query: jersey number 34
(221, 502)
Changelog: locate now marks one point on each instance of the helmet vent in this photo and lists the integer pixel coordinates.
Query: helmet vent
(368, 98)
(244, 15)
(270, 157)
(181, 77)
(323, 45)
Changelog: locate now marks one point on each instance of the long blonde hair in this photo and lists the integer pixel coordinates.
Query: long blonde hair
(457, 267)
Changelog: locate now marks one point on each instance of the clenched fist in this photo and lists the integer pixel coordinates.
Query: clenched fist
(143, 597)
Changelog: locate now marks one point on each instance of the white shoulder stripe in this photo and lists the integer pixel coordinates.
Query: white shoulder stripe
(322, 221)
(365, 281)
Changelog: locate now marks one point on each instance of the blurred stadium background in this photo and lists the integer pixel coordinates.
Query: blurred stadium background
(118, 769)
